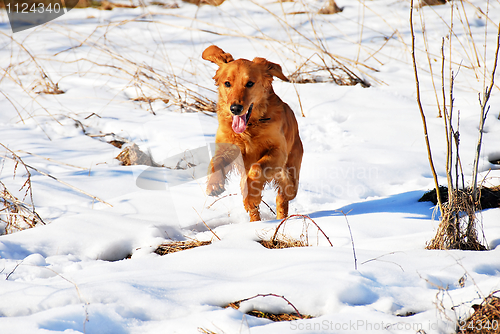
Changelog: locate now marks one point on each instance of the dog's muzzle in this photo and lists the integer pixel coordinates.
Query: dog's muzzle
(240, 119)
(236, 109)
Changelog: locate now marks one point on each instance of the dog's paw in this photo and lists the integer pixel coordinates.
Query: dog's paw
(215, 189)
(215, 185)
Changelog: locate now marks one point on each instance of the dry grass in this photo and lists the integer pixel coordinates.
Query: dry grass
(280, 240)
(205, 331)
(330, 8)
(321, 68)
(431, 2)
(117, 143)
(271, 316)
(16, 214)
(458, 226)
(274, 317)
(150, 99)
(489, 197)
(177, 246)
(485, 319)
(167, 5)
(313, 73)
(132, 155)
(205, 2)
(103, 5)
(283, 241)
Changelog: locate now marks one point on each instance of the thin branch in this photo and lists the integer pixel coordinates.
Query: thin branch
(426, 135)
(60, 181)
(302, 216)
(484, 112)
(13, 270)
(218, 199)
(206, 224)
(352, 240)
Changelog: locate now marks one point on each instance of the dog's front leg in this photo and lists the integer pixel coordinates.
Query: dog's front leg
(226, 157)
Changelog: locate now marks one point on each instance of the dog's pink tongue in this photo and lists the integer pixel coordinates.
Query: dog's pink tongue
(239, 123)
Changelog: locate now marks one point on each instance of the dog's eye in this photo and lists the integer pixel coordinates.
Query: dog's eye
(249, 84)
(227, 84)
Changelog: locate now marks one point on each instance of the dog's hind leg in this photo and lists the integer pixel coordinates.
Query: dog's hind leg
(287, 190)
(252, 185)
(288, 181)
(252, 196)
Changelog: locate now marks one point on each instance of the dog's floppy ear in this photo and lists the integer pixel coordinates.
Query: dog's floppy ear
(272, 68)
(215, 54)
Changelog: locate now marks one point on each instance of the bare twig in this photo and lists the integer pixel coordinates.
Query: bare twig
(52, 160)
(13, 270)
(206, 224)
(218, 199)
(54, 178)
(426, 135)
(352, 240)
(484, 112)
(302, 216)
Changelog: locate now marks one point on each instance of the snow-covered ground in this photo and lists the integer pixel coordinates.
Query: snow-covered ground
(365, 156)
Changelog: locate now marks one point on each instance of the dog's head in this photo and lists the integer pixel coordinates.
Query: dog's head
(242, 84)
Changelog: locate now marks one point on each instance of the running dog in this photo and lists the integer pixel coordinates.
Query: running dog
(256, 123)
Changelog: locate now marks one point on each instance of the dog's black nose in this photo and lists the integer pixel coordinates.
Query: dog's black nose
(236, 109)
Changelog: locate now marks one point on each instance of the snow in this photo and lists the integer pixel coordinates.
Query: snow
(92, 267)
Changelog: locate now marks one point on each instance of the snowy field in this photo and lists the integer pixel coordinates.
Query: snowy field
(92, 267)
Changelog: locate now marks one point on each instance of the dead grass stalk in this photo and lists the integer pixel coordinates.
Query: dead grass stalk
(271, 316)
(177, 246)
(17, 214)
(485, 319)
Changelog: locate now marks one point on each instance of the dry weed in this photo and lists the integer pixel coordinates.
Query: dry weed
(103, 5)
(330, 8)
(132, 155)
(485, 319)
(15, 214)
(304, 233)
(166, 5)
(271, 316)
(489, 197)
(150, 99)
(319, 70)
(431, 2)
(117, 143)
(177, 246)
(457, 229)
(206, 331)
(205, 2)
(283, 241)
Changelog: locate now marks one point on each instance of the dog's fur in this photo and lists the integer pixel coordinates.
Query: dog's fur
(255, 122)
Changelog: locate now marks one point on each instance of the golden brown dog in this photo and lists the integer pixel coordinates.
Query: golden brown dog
(255, 122)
